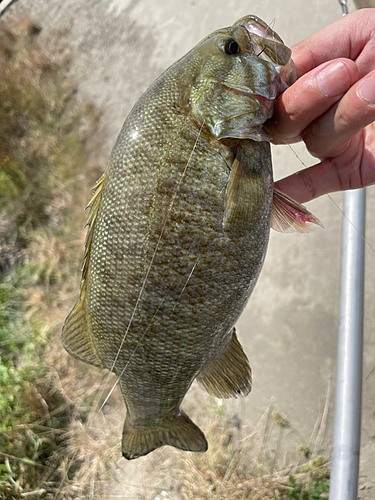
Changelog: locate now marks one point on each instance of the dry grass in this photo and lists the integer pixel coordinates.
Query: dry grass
(251, 462)
(243, 461)
(55, 443)
(43, 178)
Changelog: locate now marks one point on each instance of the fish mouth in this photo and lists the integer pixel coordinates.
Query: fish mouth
(267, 45)
(248, 93)
(257, 132)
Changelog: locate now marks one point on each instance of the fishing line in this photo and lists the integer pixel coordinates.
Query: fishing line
(271, 25)
(139, 298)
(107, 375)
(146, 277)
(157, 246)
(187, 281)
(132, 354)
(145, 332)
(142, 289)
(332, 200)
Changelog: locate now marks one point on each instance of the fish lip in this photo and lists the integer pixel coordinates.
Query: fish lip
(287, 73)
(259, 97)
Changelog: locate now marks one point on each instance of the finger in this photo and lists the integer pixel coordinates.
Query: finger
(351, 36)
(329, 134)
(309, 97)
(353, 169)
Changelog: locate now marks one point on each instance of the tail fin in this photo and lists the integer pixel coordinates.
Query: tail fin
(181, 433)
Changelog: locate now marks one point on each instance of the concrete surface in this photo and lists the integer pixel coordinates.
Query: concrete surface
(289, 328)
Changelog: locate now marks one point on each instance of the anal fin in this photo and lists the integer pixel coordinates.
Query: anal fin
(181, 433)
(229, 376)
(76, 337)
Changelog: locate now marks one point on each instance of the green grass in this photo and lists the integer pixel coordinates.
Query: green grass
(43, 162)
(317, 484)
(46, 450)
(312, 490)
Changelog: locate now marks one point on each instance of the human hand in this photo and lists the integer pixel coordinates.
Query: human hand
(331, 107)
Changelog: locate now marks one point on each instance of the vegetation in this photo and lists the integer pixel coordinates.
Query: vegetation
(252, 463)
(43, 133)
(54, 443)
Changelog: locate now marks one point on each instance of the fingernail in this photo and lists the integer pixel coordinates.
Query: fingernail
(333, 80)
(366, 89)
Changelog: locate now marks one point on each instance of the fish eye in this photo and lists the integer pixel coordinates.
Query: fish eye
(231, 47)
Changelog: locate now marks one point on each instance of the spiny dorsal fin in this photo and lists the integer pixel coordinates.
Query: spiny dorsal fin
(229, 376)
(93, 204)
(76, 335)
(288, 216)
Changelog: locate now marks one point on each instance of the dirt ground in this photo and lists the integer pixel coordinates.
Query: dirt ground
(116, 50)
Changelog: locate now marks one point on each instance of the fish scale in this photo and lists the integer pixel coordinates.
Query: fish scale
(177, 234)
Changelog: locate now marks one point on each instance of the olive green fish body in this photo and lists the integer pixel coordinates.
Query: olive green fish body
(178, 231)
(176, 270)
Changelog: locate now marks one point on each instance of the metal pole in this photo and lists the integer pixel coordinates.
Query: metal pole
(4, 8)
(347, 422)
(348, 399)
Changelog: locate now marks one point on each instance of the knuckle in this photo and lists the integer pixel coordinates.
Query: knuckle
(314, 142)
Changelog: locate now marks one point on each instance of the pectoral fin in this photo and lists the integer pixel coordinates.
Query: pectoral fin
(229, 376)
(244, 197)
(288, 216)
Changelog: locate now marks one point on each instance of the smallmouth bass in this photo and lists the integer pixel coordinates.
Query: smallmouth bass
(177, 234)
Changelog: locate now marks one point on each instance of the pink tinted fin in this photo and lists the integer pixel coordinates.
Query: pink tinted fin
(181, 433)
(229, 376)
(288, 216)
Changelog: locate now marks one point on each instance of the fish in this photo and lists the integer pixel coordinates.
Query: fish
(177, 234)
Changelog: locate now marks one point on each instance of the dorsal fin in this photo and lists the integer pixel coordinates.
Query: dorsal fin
(93, 204)
(77, 337)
